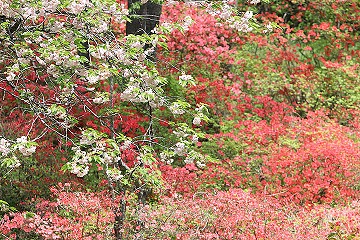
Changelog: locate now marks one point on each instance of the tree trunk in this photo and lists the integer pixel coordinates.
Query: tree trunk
(143, 21)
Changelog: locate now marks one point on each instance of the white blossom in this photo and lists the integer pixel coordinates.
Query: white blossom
(180, 149)
(79, 171)
(16, 163)
(200, 164)
(269, 28)
(114, 174)
(50, 5)
(137, 45)
(57, 26)
(242, 25)
(100, 100)
(187, 23)
(102, 27)
(165, 157)
(180, 133)
(107, 158)
(22, 139)
(199, 109)
(196, 121)
(5, 8)
(40, 61)
(92, 79)
(167, 26)
(120, 54)
(53, 71)
(83, 172)
(26, 151)
(226, 12)
(126, 145)
(194, 138)
(149, 80)
(126, 73)
(25, 61)
(171, 2)
(85, 141)
(255, 2)
(185, 77)
(4, 146)
(29, 13)
(248, 15)
(175, 108)
(11, 76)
(189, 160)
(76, 7)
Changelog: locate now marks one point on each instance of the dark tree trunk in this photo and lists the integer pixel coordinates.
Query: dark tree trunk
(144, 20)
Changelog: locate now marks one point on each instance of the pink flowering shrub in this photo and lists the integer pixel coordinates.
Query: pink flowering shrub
(233, 214)
(236, 214)
(73, 215)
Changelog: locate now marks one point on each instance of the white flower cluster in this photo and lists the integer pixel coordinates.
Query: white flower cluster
(118, 11)
(95, 149)
(269, 28)
(187, 23)
(180, 149)
(198, 116)
(200, 164)
(126, 145)
(82, 157)
(195, 157)
(142, 91)
(79, 165)
(101, 27)
(196, 121)
(166, 157)
(14, 162)
(79, 170)
(176, 109)
(167, 27)
(23, 148)
(185, 80)
(226, 11)
(188, 160)
(180, 133)
(58, 58)
(241, 25)
(254, 2)
(50, 5)
(114, 174)
(107, 158)
(5, 8)
(195, 138)
(4, 147)
(57, 111)
(78, 6)
(92, 79)
(101, 98)
(11, 76)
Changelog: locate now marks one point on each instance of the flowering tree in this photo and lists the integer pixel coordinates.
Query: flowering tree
(69, 66)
